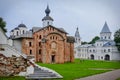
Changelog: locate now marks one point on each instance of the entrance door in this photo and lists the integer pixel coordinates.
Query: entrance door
(92, 57)
(53, 58)
(107, 57)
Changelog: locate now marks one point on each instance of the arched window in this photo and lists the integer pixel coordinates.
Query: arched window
(30, 44)
(104, 50)
(108, 50)
(39, 44)
(39, 51)
(47, 23)
(105, 37)
(23, 31)
(53, 37)
(30, 52)
(40, 37)
(50, 37)
(17, 33)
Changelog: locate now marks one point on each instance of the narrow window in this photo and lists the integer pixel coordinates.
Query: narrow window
(39, 44)
(104, 50)
(40, 37)
(30, 52)
(108, 50)
(56, 38)
(53, 37)
(105, 37)
(39, 51)
(17, 33)
(47, 23)
(30, 44)
(50, 37)
(23, 31)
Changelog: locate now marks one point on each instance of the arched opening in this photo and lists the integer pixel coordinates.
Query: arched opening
(92, 57)
(17, 33)
(53, 57)
(107, 57)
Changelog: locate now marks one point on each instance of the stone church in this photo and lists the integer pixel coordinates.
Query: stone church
(47, 44)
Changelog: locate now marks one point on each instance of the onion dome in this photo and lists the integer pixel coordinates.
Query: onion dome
(22, 25)
(47, 11)
(47, 17)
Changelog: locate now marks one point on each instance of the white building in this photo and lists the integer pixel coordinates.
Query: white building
(77, 42)
(103, 49)
(21, 29)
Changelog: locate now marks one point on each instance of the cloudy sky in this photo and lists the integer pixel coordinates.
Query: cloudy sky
(88, 15)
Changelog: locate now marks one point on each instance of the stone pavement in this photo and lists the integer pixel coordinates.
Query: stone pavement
(111, 75)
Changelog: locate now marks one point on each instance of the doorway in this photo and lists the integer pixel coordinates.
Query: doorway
(52, 58)
(92, 57)
(107, 57)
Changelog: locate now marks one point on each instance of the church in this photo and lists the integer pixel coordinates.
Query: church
(102, 49)
(47, 44)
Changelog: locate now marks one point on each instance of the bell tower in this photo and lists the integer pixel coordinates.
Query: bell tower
(47, 20)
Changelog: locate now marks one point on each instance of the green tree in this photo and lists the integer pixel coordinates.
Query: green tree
(94, 39)
(117, 39)
(3, 25)
(84, 43)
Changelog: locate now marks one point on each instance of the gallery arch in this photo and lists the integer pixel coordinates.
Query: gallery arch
(107, 57)
(92, 56)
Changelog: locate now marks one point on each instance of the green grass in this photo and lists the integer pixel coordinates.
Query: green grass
(80, 69)
(12, 78)
(118, 79)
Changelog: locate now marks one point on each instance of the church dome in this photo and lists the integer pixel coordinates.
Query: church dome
(47, 18)
(22, 25)
(47, 11)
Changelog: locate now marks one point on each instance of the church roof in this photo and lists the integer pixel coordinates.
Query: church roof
(34, 29)
(59, 29)
(22, 25)
(47, 18)
(110, 43)
(105, 28)
(77, 33)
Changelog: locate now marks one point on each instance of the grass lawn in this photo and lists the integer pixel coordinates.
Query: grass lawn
(118, 79)
(12, 78)
(82, 68)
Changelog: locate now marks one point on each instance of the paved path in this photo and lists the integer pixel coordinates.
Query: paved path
(112, 75)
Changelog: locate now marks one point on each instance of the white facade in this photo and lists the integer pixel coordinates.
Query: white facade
(3, 37)
(21, 29)
(77, 43)
(103, 49)
(47, 23)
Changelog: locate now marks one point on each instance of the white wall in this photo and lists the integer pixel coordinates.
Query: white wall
(3, 37)
(17, 44)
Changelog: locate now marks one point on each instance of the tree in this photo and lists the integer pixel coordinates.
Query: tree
(3, 25)
(94, 40)
(117, 39)
(84, 43)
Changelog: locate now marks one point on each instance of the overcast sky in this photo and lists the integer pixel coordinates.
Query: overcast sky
(88, 15)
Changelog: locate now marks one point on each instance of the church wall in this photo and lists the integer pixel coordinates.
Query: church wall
(28, 47)
(46, 50)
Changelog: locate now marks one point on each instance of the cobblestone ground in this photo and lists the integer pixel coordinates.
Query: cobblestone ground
(112, 75)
